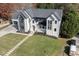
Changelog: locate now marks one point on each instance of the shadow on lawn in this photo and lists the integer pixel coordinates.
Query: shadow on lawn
(69, 42)
(72, 41)
(67, 50)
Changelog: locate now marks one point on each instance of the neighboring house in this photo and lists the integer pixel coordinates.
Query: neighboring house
(39, 20)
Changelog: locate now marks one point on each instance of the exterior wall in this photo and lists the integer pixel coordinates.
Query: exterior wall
(48, 32)
(33, 24)
(57, 26)
(30, 21)
(26, 24)
(14, 24)
(21, 24)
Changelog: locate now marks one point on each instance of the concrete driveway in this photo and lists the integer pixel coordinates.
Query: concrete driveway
(9, 29)
(77, 44)
(77, 39)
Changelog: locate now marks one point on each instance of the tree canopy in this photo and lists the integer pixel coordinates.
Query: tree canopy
(5, 10)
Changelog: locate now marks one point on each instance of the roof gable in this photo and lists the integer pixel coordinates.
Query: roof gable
(42, 13)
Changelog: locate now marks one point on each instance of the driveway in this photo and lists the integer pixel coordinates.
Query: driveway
(77, 39)
(77, 44)
(9, 29)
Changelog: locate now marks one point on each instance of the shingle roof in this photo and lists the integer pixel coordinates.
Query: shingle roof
(44, 13)
(17, 13)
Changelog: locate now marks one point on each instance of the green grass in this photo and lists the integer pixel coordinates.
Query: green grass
(39, 45)
(9, 41)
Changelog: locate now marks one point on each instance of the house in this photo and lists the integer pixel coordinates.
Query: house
(46, 21)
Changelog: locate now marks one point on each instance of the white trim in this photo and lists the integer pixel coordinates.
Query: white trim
(30, 21)
(55, 18)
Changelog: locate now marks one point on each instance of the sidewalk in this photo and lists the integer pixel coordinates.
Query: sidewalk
(8, 29)
(2, 25)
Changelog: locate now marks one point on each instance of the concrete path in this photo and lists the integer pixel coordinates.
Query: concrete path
(77, 44)
(9, 29)
(17, 45)
(77, 40)
(2, 25)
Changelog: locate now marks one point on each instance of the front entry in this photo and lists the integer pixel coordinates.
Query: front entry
(33, 28)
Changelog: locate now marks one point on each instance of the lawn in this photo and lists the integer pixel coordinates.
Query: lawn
(9, 41)
(39, 45)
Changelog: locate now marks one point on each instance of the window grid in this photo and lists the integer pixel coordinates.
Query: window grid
(49, 24)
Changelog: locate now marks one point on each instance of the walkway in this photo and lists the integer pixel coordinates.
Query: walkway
(20, 43)
(9, 29)
(2, 25)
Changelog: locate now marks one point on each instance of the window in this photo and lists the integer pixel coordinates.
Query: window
(40, 26)
(43, 27)
(33, 21)
(49, 24)
(55, 29)
(16, 25)
(55, 22)
(21, 19)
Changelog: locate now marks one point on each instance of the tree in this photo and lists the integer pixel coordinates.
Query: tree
(45, 5)
(70, 25)
(5, 10)
(70, 20)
